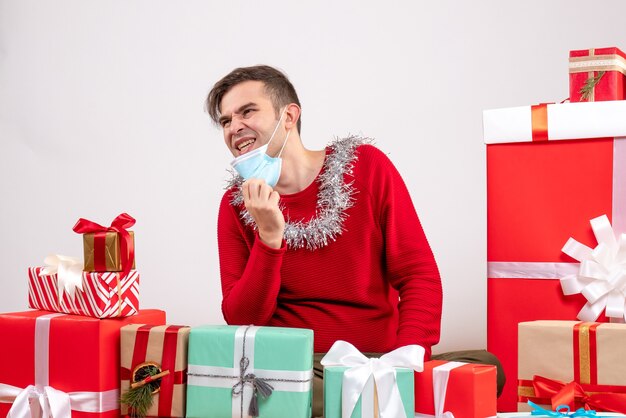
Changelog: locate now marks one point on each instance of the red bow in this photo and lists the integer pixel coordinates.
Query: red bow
(574, 395)
(119, 225)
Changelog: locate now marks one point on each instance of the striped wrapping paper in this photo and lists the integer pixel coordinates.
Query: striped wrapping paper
(103, 294)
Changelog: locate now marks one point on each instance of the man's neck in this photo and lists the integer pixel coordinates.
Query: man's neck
(300, 167)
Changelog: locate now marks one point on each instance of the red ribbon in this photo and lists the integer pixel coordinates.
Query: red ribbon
(539, 119)
(119, 225)
(574, 395)
(168, 362)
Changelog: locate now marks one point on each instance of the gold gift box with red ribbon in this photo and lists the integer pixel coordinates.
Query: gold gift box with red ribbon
(580, 364)
(109, 248)
(164, 349)
(597, 74)
(102, 251)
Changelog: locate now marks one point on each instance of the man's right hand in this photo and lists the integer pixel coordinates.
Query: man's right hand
(261, 201)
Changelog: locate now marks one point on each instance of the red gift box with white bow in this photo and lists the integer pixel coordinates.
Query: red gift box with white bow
(66, 365)
(551, 169)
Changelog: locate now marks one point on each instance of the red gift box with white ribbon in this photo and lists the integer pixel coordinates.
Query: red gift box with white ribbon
(63, 365)
(550, 170)
(97, 294)
(455, 389)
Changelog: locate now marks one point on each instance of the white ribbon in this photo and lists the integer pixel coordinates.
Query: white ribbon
(441, 375)
(601, 277)
(47, 402)
(69, 271)
(362, 369)
(43, 401)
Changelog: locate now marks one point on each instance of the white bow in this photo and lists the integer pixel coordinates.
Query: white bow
(69, 271)
(601, 277)
(360, 370)
(47, 402)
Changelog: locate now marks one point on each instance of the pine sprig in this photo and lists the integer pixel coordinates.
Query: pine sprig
(586, 90)
(139, 398)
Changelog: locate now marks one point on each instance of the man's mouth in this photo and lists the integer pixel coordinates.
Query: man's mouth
(244, 145)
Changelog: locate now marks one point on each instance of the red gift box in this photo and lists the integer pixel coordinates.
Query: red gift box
(103, 295)
(597, 74)
(541, 190)
(49, 356)
(463, 389)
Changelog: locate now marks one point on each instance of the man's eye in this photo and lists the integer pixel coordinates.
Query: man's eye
(247, 112)
(225, 123)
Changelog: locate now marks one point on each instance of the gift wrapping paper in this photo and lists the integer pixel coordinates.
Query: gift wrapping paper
(103, 295)
(553, 354)
(55, 359)
(166, 347)
(227, 362)
(464, 390)
(607, 64)
(550, 170)
(108, 248)
(105, 256)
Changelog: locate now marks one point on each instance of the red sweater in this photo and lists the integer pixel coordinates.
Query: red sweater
(348, 289)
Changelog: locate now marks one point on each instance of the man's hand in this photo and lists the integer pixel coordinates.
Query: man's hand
(261, 201)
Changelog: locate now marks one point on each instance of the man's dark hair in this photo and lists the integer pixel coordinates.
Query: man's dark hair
(277, 86)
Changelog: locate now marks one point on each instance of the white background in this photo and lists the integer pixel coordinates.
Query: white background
(101, 112)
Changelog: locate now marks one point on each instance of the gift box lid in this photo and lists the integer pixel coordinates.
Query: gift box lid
(274, 348)
(597, 59)
(564, 121)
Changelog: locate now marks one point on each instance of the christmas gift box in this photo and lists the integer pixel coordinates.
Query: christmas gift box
(108, 248)
(100, 295)
(236, 371)
(63, 365)
(463, 390)
(154, 369)
(550, 170)
(577, 364)
(597, 74)
(356, 386)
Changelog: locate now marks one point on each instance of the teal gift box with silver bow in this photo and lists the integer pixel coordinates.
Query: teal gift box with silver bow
(241, 371)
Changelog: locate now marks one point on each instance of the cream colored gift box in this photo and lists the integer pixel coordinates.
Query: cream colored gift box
(590, 353)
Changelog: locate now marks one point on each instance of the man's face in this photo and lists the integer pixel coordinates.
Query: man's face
(248, 118)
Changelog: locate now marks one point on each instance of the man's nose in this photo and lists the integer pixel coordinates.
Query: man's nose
(236, 124)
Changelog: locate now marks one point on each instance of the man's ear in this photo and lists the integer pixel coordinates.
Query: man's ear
(292, 114)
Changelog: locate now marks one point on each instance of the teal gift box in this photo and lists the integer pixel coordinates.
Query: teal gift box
(231, 367)
(333, 383)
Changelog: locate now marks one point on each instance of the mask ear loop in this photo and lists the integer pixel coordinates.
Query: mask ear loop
(284, 143)
(277, 125)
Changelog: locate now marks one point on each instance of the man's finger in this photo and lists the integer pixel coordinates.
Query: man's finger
(265, 191)
(274, 197)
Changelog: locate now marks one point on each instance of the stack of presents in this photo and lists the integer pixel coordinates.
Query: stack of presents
(556, 224)
(87, 350)
(556, 214)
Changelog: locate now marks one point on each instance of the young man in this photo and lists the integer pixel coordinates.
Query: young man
(327, 240)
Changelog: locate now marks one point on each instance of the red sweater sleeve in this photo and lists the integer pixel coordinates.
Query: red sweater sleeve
(410, 264)
(249, 270)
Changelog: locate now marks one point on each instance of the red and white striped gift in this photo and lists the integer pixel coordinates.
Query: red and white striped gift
(103, 294)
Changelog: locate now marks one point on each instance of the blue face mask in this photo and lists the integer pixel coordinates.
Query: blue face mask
(257, 164)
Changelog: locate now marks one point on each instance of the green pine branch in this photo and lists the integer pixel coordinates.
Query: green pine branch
(139, 399)
(586, 90)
